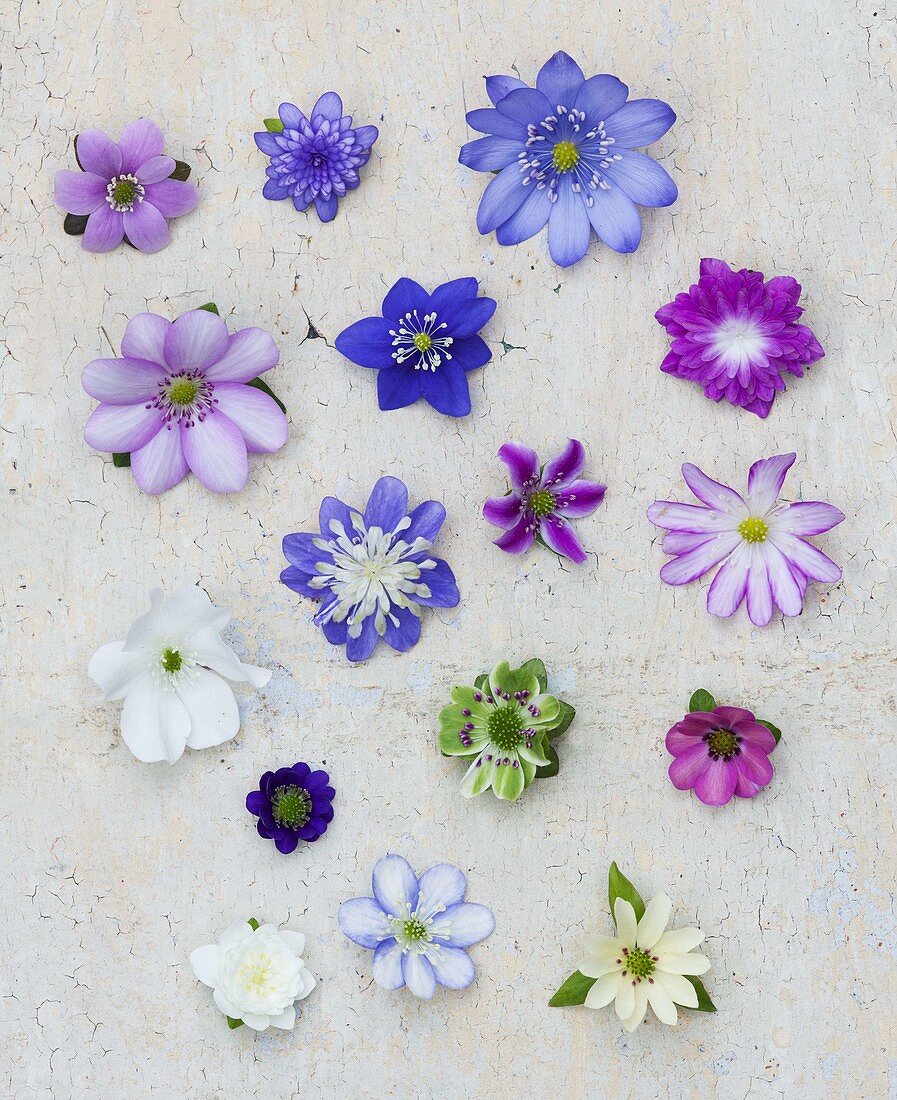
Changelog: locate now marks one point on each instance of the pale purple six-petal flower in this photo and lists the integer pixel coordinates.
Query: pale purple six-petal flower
(762, 545)
(125, 188)
(542, 501)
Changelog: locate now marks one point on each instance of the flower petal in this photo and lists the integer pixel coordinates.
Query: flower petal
(442, 885)
(172, 198)
(453, 968)
(368, 343)
(560, 536)
(580, 498)
(477, 778)
(387, 966)
(786, 592)
(639, 122)
(507, 781)
(624, 918)
(144, 338)
(404, 297)
(560, 79)
(642, 179)
(730, 584)
(79, 192)
(205, 962)
(600, 96)
(247, 354)
(418, 975)
(291, 116)
(625, 1001)
(160, 464)
(105, 230)
(115, 669)
(810, 561)
(156, 169)
(329, 106)
(398, 388)
(529, 218)
(712, 493)
(502, 198)
(387, 505)
(489, 121)
(765, 481)
(364, 922)
(122, 381)
(404, 635)
(678, 941)
(563, 468)
(716, 783)
(140, 141)
(806, 517)
(195, 341)
(662, 1003)
(615, 219)
(326, 208)
(98, 153)
(216, 452)
(145, 227)
(468, 317)
(210, 702)
(686, 518)
(503, 511)
(688, 765)
(257, 415)
(446, 389)
(426, 521)
(463, 925)
(519, 539)
(155, 724)
(486, 154)
(688, 567)
(395, 885)
(522, 463)
(604, 990)
(654, 920)
(497, 87)
(287, 1018)
(121, 427)
(678, 988)
(569, 230)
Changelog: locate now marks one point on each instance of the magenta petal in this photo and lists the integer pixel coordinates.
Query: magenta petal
(746, 787)
(156, 169)
(729, 716)
(247, 354)
(522, 463)
(216, 453)
(122, 381)
(786, 591)
(145, 227)
(144, 337)
(121, 428)
(729, 585)
(172, 198)
(560, 536)
(688, 765)
(688, 567)
(759, 592)
(716, 783)
(98, 153)
(807, 517)
(140, 141)
(581, 498)
(710, 492)
(79, 192)
(519, 538)
(258, 416)
(765, 481)
(801, 555)
(105, 230)
(160, 464)
(503, 511)
(563, 468)
(755, 763)
(196, 340)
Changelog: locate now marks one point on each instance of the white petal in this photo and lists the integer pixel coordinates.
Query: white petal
(255, 1021)
(237, 932)
(214, 716)
(295, 941)
(395, 885)
(154, 722)
(115, 670)
(204, 961)
(418, 975)
(286, 1019)
(624, 915)
(692, 963)
(662, 1003)
(308, 984)
(652, 924)
(603, 991)
(211, 651)
(225, 1005)
(625, 1001)
(678, 941)
(678, 988)
(641, 1007)
(442, 885)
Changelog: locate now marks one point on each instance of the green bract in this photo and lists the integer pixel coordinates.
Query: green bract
(506, 721)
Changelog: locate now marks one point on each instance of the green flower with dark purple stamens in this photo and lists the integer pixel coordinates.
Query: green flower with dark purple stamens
(506, 721)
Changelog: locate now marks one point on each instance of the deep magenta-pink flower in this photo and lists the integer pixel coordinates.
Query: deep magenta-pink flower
(178, 400)
(720, 754)
(737, 334)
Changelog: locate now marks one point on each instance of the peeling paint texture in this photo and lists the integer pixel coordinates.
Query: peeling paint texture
(114, 870)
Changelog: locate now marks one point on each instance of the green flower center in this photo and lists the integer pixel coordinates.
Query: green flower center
(124, 192)
(183, 391)
(722, 744)
(414, 930)
(639, 964)
(505, 726)
(565, 156)
(291, 806)
(172, 661)
(753, 529)
(542, 503)
(422, 341)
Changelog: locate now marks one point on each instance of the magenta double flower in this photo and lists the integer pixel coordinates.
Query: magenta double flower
(543, 500)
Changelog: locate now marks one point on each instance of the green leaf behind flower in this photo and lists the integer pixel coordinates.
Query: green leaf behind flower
(535, 667)
(565, 717)
(232, 1023)
(210, 307)
(701, 700)
(121, 458)
(273, 125)
(704, 1002)
(573, 992)
(75, 224)
(253, 923)
(774, 730)
(546, 771)
(181, 170)
(481, 683)
(260, 384)
(619, 886)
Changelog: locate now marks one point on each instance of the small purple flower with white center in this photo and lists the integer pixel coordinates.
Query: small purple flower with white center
(125, 189)
(762, 545)
(564, 154)
(373, 571)
(314, 160)
(543, 499)
(418, 928)
(292, 804)
(736, 334)
(178, 400)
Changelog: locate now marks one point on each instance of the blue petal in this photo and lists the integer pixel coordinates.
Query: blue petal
(363, 921)
(463, 925)
(466, 318)
(387, 504)
(404, 296)
(300, 203)
(441, 582)
(501, 199)
(334, 632)
(418, 975)
(291, 116)
(388, 965)
(297, 580)
(333, 509)
(398, 387)
(441, 886)
(600, 96)
(642, 179)
(640, 122)
(489, 121)
(426, 521)
(446, 389)
(497, 87)
(360, 648)
(367, 343)
(615, 219)
(568, 228)
(395, 885)
(274, 190)
(328, 106)
(267, 143)
(453, 293)
(528, 220)
(299, 549)
(365, 136)
(326, 208)
(406, 634)
(560, 78)
(453, 967)
(526, 105)
(489, 154)
(471, 352)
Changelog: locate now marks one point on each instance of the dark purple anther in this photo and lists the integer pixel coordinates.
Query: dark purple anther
(466, 712)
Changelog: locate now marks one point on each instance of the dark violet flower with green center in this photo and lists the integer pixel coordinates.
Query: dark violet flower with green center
(423, 345)
(314, 160)
(564, 154)
(292, 804)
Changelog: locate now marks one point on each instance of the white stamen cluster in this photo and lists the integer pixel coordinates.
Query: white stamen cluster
(416, 336)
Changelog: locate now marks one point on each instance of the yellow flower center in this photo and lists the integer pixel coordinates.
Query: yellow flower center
(422, 341)
(183, 391)
(753, 529)
(565, 156)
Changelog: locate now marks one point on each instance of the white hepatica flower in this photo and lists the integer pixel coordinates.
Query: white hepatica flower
(168, 671)
(256, 974)
(644, 965)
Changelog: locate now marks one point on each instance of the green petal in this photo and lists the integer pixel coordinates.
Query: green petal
(534, 755)
(510, 681)
(477, 779)
(550, 710)
(464, 697)
(529, 772)
(535, 667)
(508, 782)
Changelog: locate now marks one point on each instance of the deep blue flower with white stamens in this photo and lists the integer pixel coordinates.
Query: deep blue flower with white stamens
(564, 156)
(314, 160)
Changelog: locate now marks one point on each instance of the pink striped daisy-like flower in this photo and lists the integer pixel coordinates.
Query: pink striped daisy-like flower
(760, 546)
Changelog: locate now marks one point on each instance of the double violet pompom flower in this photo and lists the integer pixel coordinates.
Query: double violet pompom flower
(177, 400)
(125, 189)
(564, 156)
(418, 928)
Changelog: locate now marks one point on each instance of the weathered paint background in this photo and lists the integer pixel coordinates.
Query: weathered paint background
(114, 871)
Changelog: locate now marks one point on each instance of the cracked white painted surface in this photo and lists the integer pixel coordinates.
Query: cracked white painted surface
(115, 870)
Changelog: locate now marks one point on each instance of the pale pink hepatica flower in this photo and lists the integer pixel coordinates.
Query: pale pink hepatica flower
(177, 400)
(762, 546)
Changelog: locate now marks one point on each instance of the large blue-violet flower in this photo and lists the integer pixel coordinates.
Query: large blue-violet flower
(423, 345)
(373, 571)
(418, 928)
(317, 160)
(564, 155)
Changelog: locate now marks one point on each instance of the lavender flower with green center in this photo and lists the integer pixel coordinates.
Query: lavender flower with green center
(314, 160)
(564, 156)
(506, 722)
